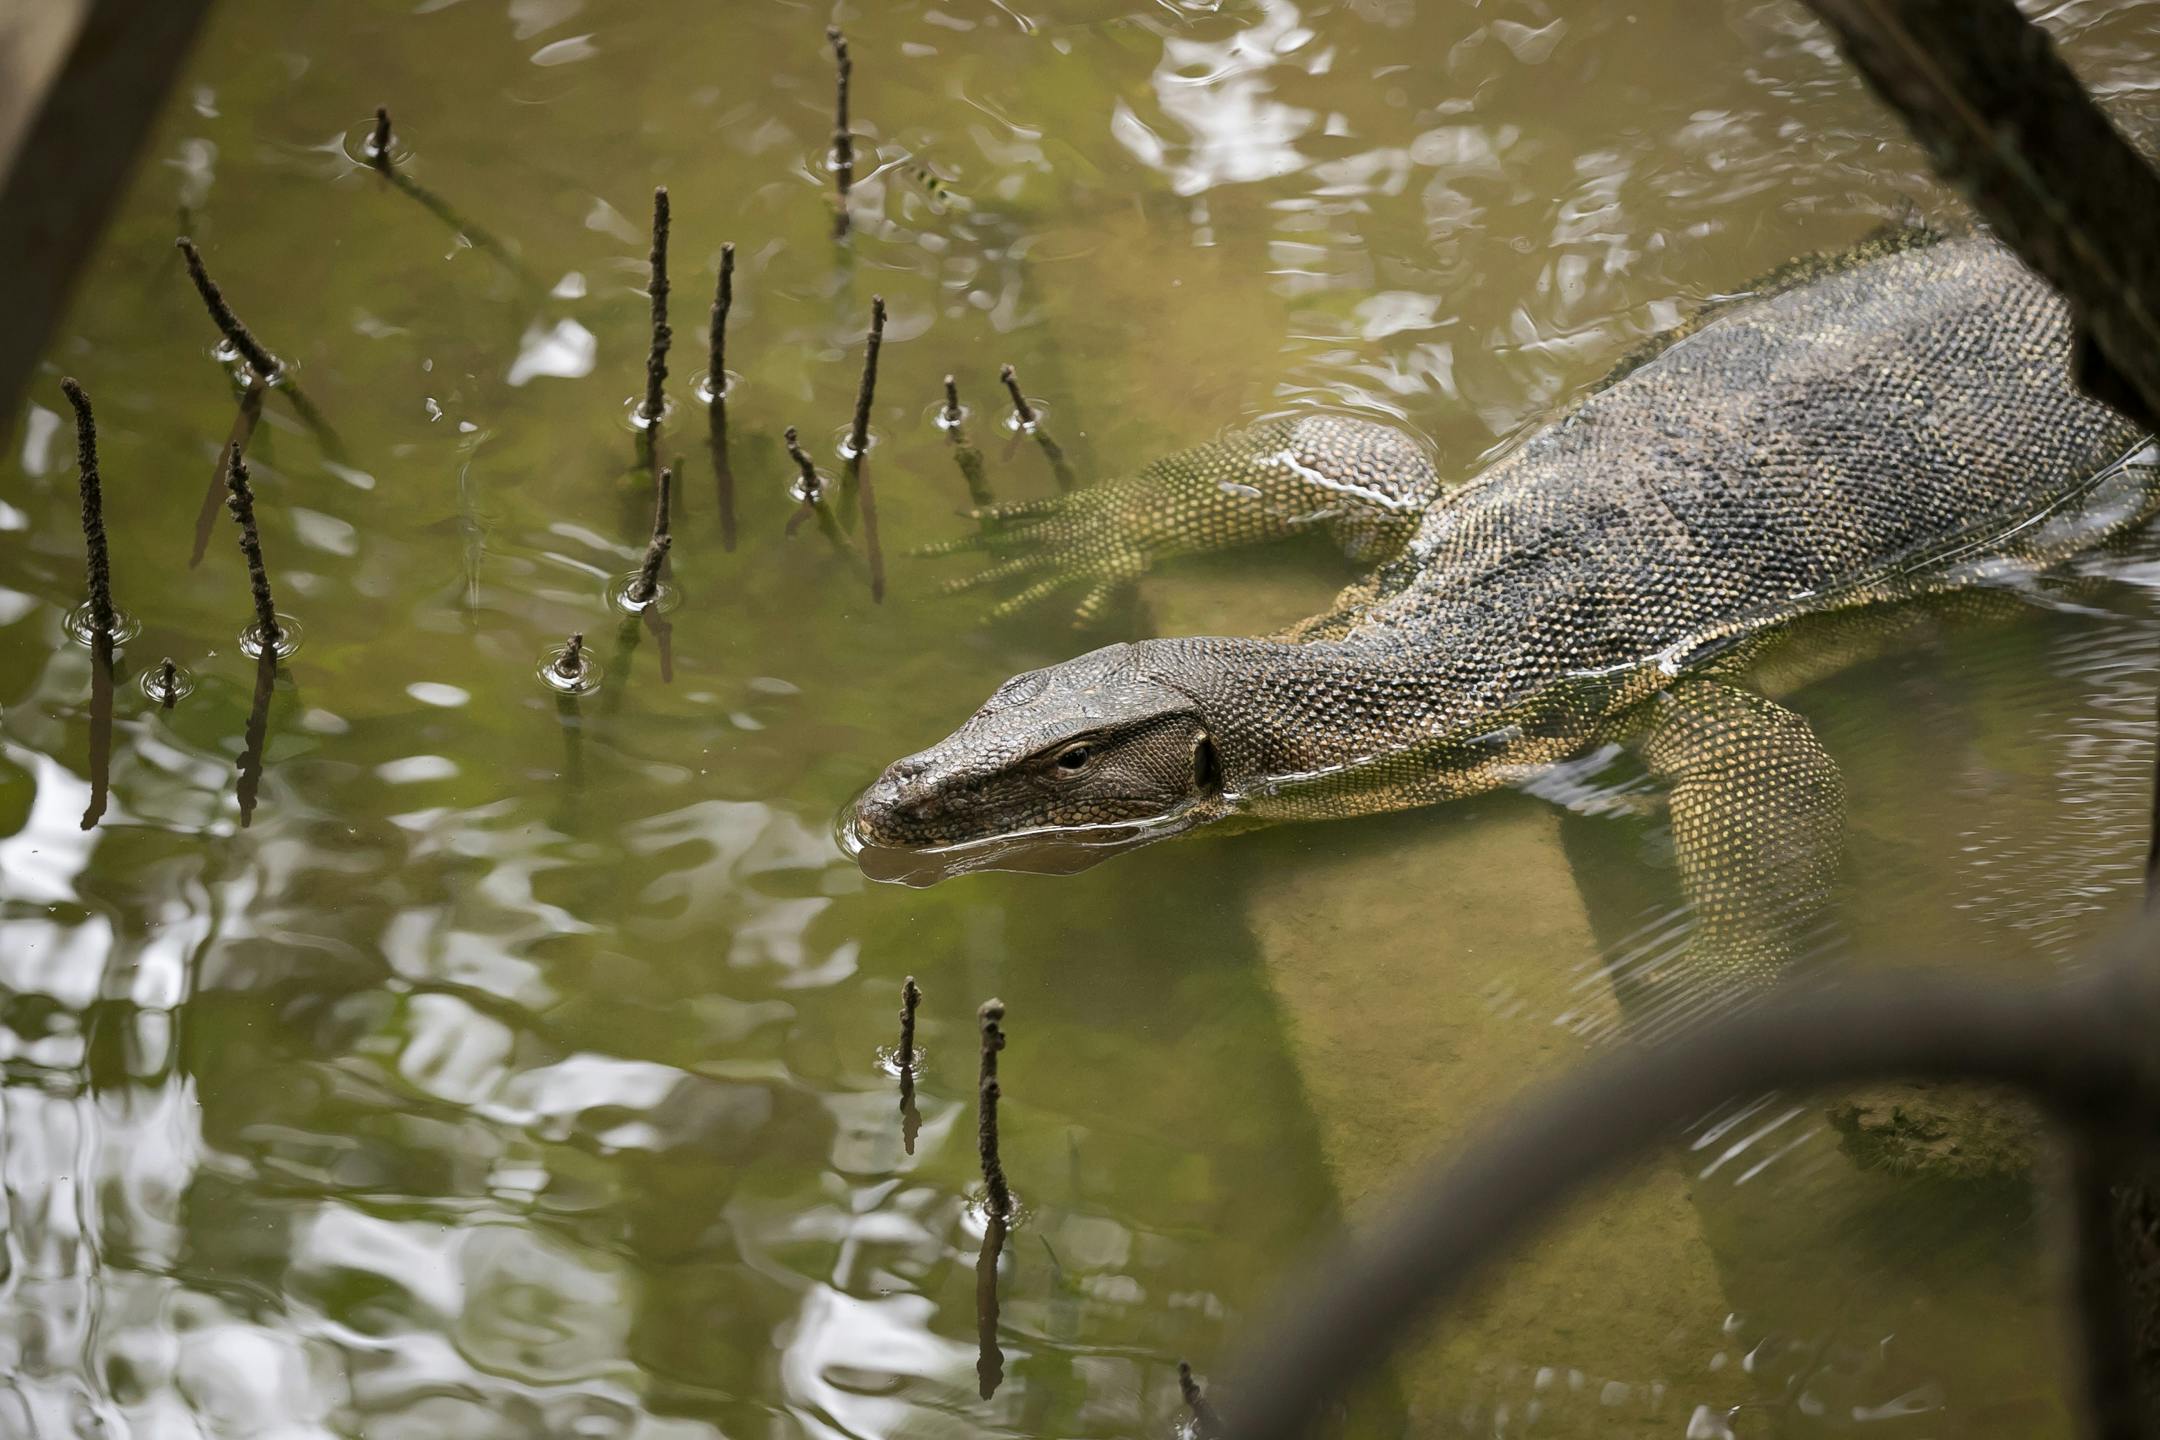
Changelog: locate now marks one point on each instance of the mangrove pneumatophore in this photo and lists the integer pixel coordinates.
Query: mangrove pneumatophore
(951, 420)
(857, 450)
(645, 589)
(997, 1194)
(858, 439)
(997, 1203)
(1023, 413)
(716, 390)
(843, 137)
(723, 302)
(266, 632)
(654, 406)
(1207, 1425)
(378, 146)
(102, 616)
(267, 367)
(1028, 420)
(904, 1062)
(910, 1001)
(570, 665)
(263, 365)
(809, 488)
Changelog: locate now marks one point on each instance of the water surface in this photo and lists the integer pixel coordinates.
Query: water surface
(495, 1066)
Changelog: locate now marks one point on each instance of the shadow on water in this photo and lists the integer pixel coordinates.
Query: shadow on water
(723, 469)
(245, 419)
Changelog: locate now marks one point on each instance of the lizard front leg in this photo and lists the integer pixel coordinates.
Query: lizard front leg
(1363, 483)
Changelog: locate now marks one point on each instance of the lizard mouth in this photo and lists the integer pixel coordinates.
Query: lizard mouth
(1044, 850)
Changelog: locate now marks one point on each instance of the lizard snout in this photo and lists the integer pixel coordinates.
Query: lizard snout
(900, 807)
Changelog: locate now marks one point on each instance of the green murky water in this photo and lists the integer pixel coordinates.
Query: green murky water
(509, 1069)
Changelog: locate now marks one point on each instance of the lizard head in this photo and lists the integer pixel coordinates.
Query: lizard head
(1060, 768)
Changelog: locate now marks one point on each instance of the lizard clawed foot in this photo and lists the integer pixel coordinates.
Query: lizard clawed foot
(1062, 541)
(1025, 535)
(1023, 567)
(1046, 572)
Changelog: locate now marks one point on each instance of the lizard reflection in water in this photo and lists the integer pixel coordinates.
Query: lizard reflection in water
(1893, 423)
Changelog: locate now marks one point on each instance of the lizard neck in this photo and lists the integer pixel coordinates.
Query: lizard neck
(1338, 728)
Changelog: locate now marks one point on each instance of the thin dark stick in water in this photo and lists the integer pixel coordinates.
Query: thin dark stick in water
(379, 142)
(723, 301)
(811, 487)
(716, 408)
(910, 998)
(264, 365)
(858, 446)
(662, 336)
(1022, 411)
(647, 585)
(843, 138)
(999, 1194)
(236, 443)
(1031, 422)
(93, 510)
(857, 491)
(910, 1117)
(859, 432)
(168, 683)
(571, 663)
(242, 504)
(1207, 1425)
(261, 361)
(966, 456)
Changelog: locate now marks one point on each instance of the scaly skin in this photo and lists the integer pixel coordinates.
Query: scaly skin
(1896, 424)
(1365, 485)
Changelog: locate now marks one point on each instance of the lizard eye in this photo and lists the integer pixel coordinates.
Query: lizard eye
(1075, 757)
